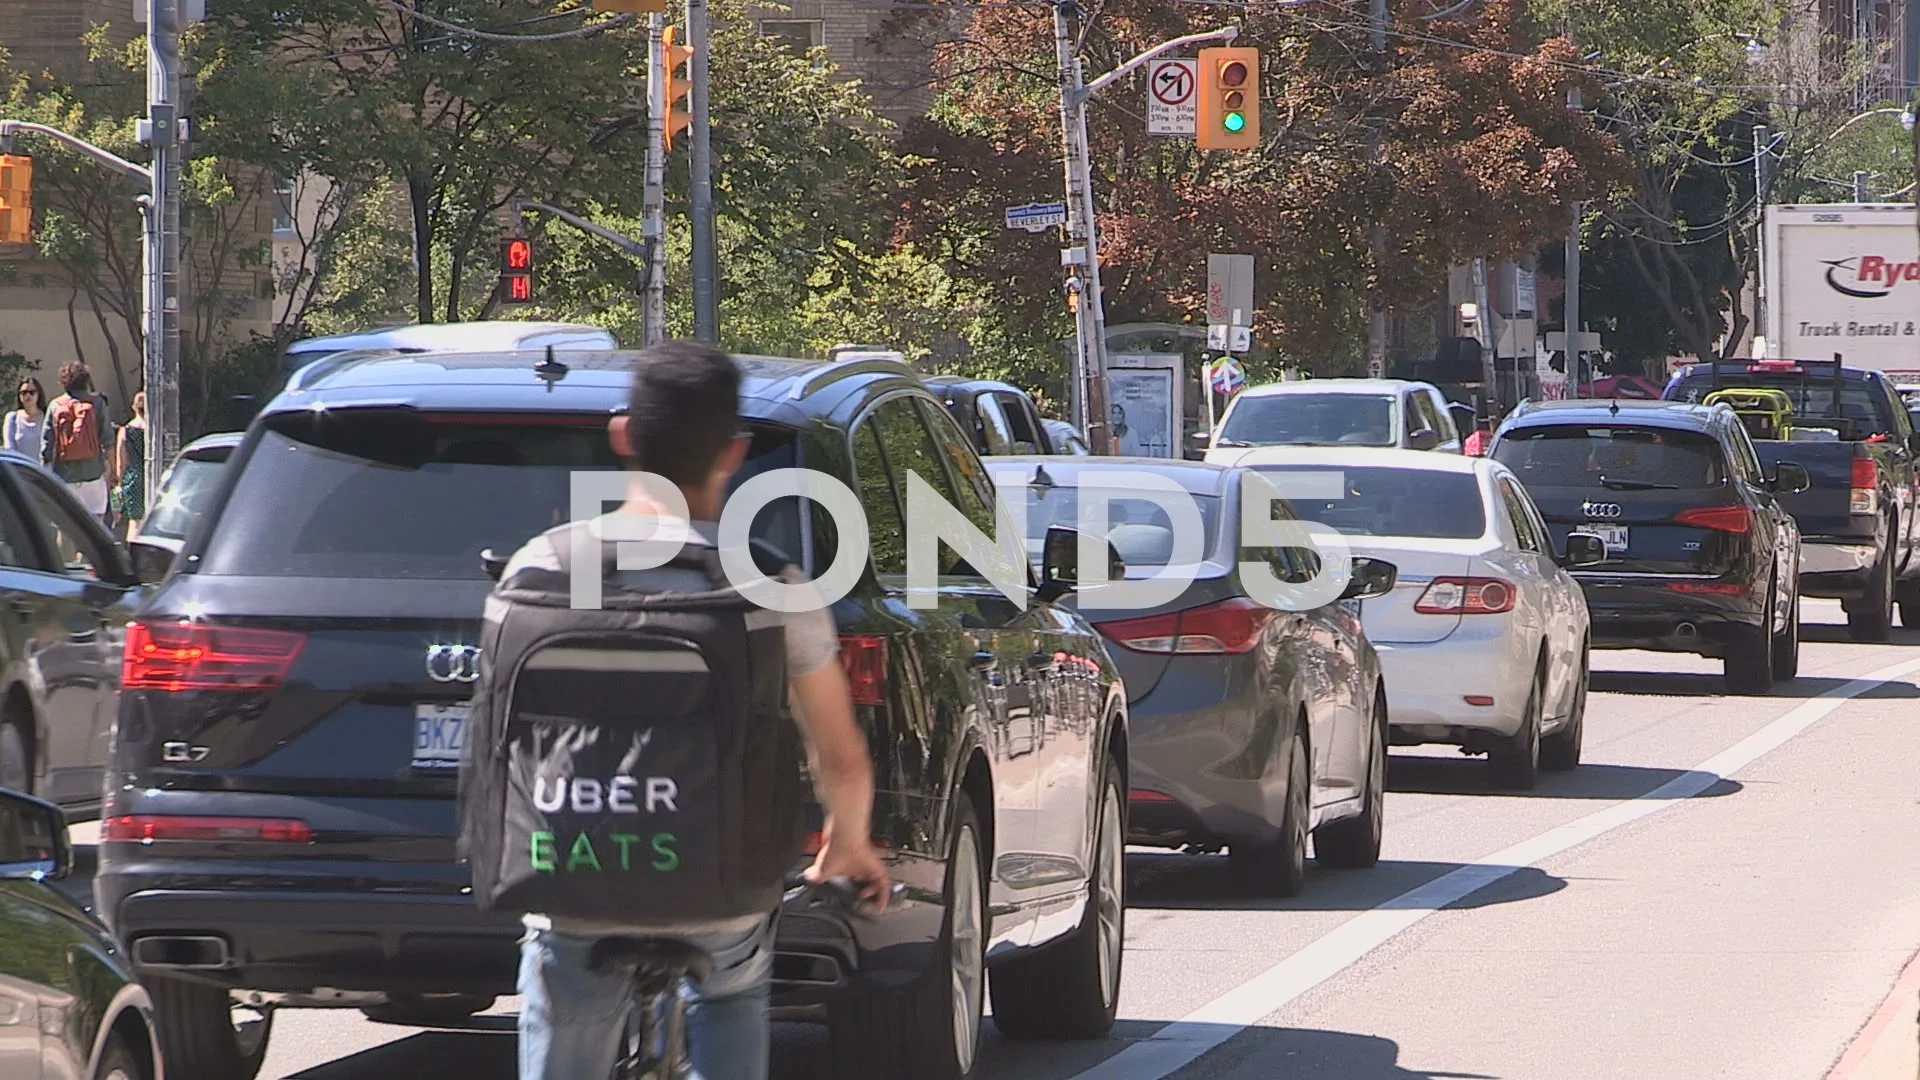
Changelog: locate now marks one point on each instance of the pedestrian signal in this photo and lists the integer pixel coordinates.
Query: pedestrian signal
(1228, 116)
(516, 270)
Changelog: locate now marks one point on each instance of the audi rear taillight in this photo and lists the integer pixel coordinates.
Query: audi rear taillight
(1709, 588)
(1228, 627)
(147, 828)
(1865, 497)
(865, 659)
(1465, 596)
(1731, 519)
(199, 656)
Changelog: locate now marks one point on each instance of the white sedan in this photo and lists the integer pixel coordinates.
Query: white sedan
(1483, 642)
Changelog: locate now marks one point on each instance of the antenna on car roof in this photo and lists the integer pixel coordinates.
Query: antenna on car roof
(1614, 409)
(550, 370)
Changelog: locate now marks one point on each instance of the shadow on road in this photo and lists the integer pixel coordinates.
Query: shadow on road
(1308, 1052)
(1836, 633)
(1694, 684)
(1181, 882)
(1426, 775)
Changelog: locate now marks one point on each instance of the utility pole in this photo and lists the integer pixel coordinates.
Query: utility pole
(1762, 180)
(1860, 192)
(706, 299)
(1571, 310)
(163, 129)
(1082, 256)
(1377, 238)
(653, 301)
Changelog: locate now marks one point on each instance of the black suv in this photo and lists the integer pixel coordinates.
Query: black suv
(281, 819)
(1701, 557)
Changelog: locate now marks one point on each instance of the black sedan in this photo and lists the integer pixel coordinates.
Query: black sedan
(1251, 727)
(69, 1005)
(1701, 557)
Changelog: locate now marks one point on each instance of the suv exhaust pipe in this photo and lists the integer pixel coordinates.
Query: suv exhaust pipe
(182, 953)
(1686, 631)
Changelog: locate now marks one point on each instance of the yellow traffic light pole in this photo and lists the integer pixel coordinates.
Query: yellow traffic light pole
(1082, 255)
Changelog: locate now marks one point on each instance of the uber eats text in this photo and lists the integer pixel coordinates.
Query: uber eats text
(553, 852)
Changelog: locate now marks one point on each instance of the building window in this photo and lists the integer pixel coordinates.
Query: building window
(800, 35)
(283, 202)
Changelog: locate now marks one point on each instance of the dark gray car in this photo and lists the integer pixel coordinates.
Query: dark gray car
(1250, 726)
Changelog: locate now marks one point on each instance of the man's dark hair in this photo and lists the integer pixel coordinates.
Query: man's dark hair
(75, 379)
(684, 411)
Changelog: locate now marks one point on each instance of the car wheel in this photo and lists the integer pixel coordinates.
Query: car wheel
(121, 1063)
(1908, 595)
(1870, 618)
(1560, 751)
(930, 1028)
(204, 1034)
(1071, 988)
(1515, 760)
(1354, 843)
(1786, 643)
(429, 1010)
(16, 761)
(1749, 660)
(1278, 867)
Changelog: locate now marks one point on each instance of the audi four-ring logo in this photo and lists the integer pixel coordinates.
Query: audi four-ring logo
(453, 663)
(1600, 510)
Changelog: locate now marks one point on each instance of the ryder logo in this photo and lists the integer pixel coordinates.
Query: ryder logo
(1873, 277)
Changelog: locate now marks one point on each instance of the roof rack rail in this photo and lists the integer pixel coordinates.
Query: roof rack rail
(853, 362)
(865, 352)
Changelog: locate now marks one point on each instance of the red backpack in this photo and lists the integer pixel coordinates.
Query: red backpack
(76, 429)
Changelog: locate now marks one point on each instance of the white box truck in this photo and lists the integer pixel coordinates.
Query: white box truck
(1843, 278)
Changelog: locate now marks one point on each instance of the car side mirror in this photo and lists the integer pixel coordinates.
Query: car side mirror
(1423, 439)
(1200, 441)
(1371, 578)
(1585, 549)
(151, 561)
(1060, 563)
(1790, 478)
(495, 564)
(1913, 442)
(33, 839)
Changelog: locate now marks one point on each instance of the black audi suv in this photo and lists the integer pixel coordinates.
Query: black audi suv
(280, 828)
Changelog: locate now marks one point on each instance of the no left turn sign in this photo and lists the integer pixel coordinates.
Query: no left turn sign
(1171, 96)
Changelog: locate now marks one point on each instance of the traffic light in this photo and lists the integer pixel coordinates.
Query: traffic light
(679, 113)
(631, 7)
(1229, 109)
(516, 270)
(16, 199)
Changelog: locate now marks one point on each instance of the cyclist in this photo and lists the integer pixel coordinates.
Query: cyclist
(683, 423)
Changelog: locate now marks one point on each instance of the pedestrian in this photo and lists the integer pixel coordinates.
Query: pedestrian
(130, 452)
(26, 427)
(76, 439)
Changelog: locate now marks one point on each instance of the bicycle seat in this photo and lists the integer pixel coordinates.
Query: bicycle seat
(665, 955)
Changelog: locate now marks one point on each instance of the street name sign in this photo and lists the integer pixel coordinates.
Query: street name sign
(1037, 217)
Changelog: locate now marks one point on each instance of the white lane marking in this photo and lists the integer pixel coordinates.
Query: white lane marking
(1183, 1041)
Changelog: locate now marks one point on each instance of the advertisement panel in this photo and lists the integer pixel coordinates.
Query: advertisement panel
(1843, 279)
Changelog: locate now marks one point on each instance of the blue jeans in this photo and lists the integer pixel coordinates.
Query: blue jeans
(572, 1018)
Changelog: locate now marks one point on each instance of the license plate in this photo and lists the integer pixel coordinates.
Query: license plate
(1615, 536)
(439, 731)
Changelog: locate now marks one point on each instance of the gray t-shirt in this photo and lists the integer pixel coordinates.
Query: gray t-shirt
(813, 642)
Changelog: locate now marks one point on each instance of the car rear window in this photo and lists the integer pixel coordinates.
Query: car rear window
(1812, 397)
(184, 497)
(1619, 455)
(1378, 501)
(1311, 419)
(403, 493)
(1138, 529)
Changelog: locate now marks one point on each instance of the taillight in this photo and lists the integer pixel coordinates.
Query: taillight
(1465, 596)
(200, 656)
(1230, 626)
(146, 828)
(1732, 519)
(1709, 588)
(1865, 498)
(865, 659)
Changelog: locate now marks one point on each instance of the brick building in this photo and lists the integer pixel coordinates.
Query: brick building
(894, 69)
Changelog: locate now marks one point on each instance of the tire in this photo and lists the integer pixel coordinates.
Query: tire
(880, 1033)
(1070, 989)
(1278, 867)
(1354, 843)
(1515, 760)
(1785, 654)
(1871, 617)
(1749, 661)
(16, 756)
(1907, 595)
(1560, 751)
(440, 1010)
(120, 1063)
(200, 1034)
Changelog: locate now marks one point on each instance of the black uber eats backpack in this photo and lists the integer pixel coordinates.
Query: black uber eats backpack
(636, 763)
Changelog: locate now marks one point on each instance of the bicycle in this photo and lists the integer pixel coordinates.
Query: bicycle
(654, 1044)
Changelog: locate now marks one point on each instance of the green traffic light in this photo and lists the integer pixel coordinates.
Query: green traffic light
(1235, 122)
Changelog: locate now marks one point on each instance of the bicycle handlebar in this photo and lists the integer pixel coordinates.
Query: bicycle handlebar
(845, 894)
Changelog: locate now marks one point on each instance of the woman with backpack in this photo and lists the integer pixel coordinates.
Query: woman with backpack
(76, 443)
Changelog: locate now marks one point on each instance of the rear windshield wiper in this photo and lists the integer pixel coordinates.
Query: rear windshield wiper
(1635, 485)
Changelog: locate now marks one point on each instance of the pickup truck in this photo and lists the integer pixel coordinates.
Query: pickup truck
(1858, 525)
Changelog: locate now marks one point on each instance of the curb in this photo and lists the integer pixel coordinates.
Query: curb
(1877, 1048)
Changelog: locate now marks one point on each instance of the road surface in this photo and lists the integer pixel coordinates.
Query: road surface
(1729, 888)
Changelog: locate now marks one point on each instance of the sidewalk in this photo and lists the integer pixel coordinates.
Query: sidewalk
(1888, 1047)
